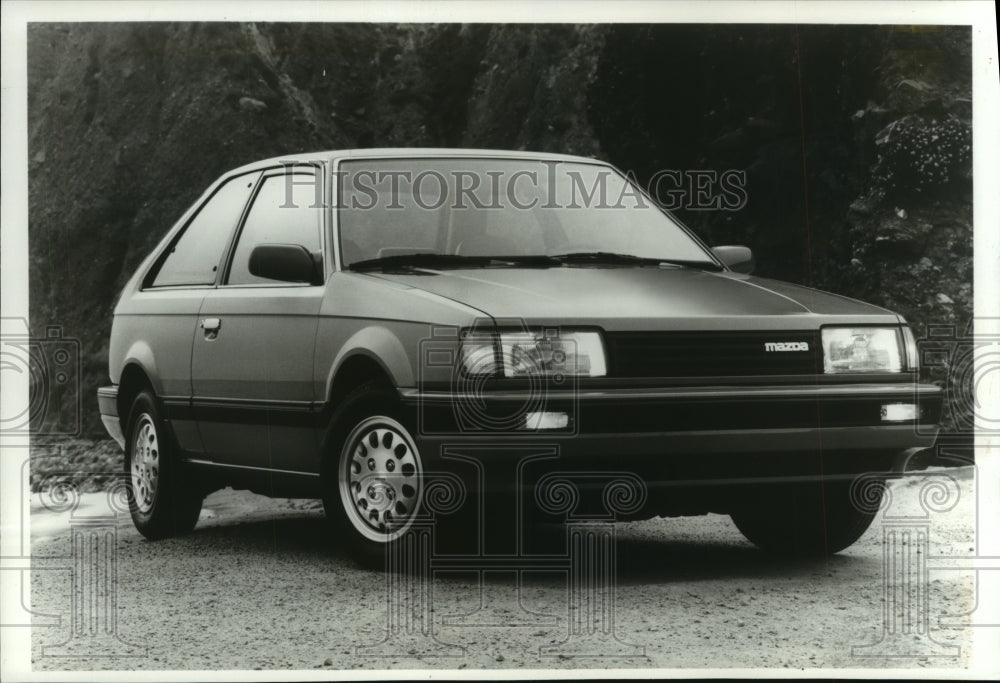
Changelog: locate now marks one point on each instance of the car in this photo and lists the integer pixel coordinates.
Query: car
(359, 325)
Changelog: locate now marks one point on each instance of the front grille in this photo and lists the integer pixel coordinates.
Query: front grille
(711, 354)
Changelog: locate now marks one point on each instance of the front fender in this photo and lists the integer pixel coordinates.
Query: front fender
(383, 346)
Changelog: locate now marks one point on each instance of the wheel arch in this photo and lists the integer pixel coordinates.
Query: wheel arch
(353, 371)
(134, 378)
(373, 350)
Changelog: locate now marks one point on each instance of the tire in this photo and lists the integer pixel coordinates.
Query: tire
(372, 474)
(160, 504)
(806, 520)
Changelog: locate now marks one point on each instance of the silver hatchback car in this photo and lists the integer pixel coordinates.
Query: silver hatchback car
(340, 325)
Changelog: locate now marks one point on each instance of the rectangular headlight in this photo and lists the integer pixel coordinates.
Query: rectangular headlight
(862, 349)
(537, 353)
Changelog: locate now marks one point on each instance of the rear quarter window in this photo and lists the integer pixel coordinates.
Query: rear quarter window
(194, 258)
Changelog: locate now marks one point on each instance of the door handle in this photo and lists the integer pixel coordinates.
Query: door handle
(211, 327)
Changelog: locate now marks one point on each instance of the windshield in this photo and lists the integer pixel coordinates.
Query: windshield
(472, 208)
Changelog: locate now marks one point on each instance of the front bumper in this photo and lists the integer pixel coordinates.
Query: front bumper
(692, 433)
(107, 402)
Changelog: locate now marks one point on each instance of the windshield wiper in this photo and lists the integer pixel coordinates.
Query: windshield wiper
(611, 258)
(700, 265)
(604, 257)
(425, 260)
(415, 260)
(431, 261)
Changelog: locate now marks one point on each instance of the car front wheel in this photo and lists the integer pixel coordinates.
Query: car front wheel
(807, 520)
(373, 474)
(159, 502)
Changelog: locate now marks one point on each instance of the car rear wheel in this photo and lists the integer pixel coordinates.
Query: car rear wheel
(807, 520)
(160, 503)
(373, 474)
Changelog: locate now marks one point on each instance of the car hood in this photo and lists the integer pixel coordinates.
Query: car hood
(640, 298)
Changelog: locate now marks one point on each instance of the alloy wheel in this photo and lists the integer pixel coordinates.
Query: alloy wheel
(381, 478)
(145, 463)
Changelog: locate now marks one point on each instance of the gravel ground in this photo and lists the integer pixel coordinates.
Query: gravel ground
(256, 587)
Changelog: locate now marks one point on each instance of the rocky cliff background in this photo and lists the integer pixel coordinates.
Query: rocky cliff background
(856, 140)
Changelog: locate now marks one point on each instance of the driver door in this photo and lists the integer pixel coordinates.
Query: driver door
(252, 364)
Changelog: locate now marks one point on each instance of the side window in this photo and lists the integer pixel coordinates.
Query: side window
(283, 212)
(195, 257)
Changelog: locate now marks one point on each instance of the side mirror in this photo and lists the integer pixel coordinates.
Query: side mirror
(285, 262)
(739, 259)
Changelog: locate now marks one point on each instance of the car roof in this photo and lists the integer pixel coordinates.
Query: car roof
(406, 152)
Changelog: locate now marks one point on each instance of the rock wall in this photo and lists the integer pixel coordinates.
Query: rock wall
(855, 139)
